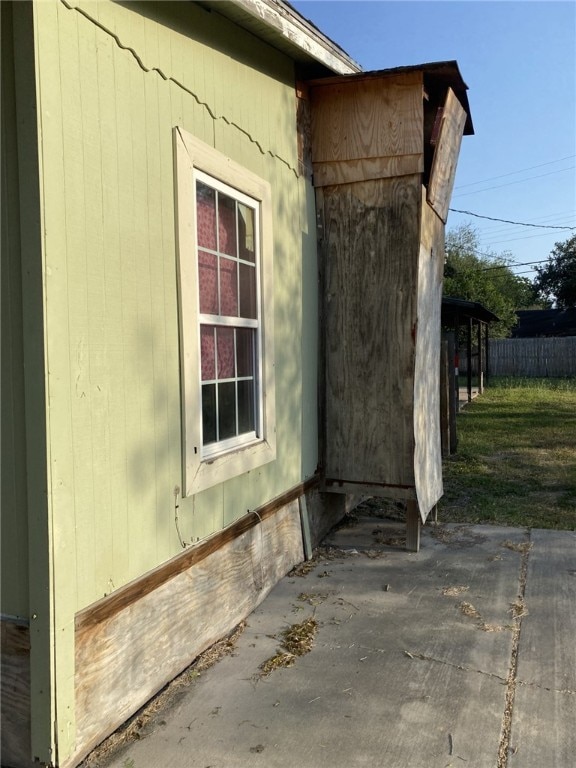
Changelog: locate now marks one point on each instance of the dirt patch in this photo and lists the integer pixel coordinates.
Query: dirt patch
(321, 555)
(389, 538)
(518, 546)
(314, 598)
(454, 591)
(468, 610)
(460, 536)
(383, 509)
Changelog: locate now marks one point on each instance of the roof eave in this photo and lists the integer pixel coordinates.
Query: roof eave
(280, 25)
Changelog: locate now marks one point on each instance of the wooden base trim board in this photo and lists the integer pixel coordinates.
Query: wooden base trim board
(135, 590)
(125, 655)
(384, 490)
(15, 750)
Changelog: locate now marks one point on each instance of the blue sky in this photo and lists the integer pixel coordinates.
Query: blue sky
(519, 62)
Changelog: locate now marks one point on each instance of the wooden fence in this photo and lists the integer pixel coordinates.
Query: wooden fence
(533, 357)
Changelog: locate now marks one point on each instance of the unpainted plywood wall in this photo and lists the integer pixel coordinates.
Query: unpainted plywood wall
(369, 244)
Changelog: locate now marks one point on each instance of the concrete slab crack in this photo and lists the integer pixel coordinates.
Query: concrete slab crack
(424, 657)
(565, 691)
(518, 613)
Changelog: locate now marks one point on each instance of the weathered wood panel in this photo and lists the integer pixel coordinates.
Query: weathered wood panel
(428, 448)
(532, 357)
(124, 659)
(367, 118)
(364, 169)
(122, 598)
(446, 154)
(370, 253)
(15, 748)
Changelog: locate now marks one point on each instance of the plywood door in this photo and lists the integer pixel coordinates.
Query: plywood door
(446, 156)
(427, 437)
(370, 252)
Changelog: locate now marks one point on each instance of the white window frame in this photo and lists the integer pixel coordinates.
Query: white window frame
(204, 467)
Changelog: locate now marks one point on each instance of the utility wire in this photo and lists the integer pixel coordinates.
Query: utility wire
(518, 181)
(564, 220)
(507, 221)
(516, 264)
(511, 266)
(513, 173)
(515, 239)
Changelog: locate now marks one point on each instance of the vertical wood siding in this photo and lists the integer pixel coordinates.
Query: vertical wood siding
(111, 90)
(113, 81)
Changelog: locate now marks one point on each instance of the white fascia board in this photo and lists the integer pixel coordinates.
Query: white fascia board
(297, 31)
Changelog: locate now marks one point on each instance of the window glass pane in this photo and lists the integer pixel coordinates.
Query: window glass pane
(228, 287)
(225, 353)
(227, 224)
(205, 216)
(208, 413)
(246, 407)
(247, 243)
(245, 351)
(247, 291)
(207, 354)
(227, 263)
(208, 280)
(226, 410)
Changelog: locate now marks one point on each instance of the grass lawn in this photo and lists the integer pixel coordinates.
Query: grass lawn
(516, 458)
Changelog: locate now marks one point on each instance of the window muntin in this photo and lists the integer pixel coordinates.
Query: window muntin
(227, 226)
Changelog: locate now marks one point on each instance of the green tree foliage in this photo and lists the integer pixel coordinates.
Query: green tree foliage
(485, 278)
(557, 278)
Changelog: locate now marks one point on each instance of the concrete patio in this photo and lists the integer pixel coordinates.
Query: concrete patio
(461, 654)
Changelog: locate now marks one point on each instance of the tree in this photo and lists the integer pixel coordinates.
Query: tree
(485, 278)
(557, 278)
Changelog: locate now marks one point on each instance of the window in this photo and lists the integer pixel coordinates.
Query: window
(225, 291)
(227, 226)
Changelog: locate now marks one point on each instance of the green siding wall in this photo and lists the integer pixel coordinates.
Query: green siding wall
(113, 81)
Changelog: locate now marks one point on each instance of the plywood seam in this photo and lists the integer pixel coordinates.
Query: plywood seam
(168, 78)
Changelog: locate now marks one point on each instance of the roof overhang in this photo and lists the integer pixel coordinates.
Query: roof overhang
(460, 308)
(281, 26)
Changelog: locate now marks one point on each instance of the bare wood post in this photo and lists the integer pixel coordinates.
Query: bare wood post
(444, 398)
(413, 525)
(480, 359)
(457, 359)
(453, 392)
(487, 347)
(469, 356)
(305, 522)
